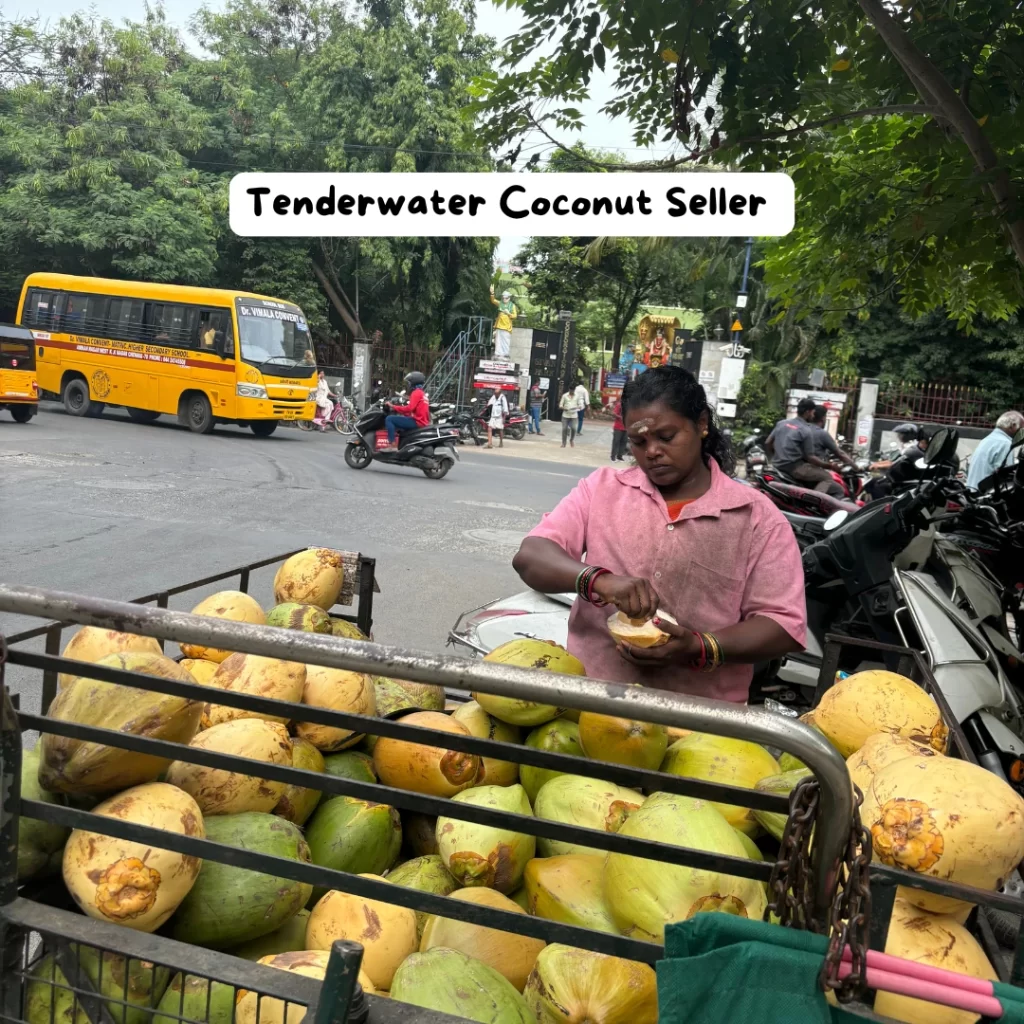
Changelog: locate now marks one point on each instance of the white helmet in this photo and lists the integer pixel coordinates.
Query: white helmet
(506, 295)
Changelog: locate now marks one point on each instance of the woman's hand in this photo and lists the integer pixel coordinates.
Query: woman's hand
(632, 595)
(682, 648)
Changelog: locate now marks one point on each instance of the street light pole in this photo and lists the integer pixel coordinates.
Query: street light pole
(741, 298)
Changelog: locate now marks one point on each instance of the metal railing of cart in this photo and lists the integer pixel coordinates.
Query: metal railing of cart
(359, 586)
(585, 694)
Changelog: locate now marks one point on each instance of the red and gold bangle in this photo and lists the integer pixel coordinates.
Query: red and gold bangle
(591, 580)
(702, 660)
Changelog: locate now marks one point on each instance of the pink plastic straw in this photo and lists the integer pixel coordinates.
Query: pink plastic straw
(944, 995)
(924, 972)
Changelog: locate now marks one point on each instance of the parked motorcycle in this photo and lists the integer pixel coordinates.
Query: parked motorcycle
(430, 449)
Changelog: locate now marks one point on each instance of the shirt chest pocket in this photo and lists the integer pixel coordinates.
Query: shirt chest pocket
(715, 588)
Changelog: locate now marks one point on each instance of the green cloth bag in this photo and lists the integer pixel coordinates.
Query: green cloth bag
(721, 968)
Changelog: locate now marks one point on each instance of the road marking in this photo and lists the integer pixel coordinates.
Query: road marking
(503, 538)
(498, 505)
(538, 472)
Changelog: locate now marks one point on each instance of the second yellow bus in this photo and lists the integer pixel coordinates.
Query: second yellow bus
(204, 355)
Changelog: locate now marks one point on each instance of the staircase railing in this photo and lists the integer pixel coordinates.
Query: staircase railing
(450, 379)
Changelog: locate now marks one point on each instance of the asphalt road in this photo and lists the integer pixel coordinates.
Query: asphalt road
(116, 509)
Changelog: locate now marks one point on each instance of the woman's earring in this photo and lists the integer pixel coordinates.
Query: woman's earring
(705, 434)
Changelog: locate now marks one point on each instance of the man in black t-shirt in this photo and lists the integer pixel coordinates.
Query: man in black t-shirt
(791, 447)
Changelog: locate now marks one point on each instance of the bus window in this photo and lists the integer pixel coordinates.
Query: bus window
(125, 319)
(84, 314)
(40, 308)
(214, 325)
(169, 324)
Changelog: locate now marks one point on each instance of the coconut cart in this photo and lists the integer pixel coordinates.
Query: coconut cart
(41, 933)
(354, 604)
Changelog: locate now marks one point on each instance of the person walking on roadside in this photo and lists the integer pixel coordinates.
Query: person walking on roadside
(536, 404)
(498, 406)
(582, 405)
(994, 451)
(569, 406)
(619, 435)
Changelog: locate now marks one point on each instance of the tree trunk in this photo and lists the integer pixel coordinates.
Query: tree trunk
(933, 88)
(344, 311)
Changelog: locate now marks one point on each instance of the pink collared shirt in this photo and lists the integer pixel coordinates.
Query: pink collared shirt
(729, 556)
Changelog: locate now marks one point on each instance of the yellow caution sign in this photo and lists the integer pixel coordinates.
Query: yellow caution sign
(737, 326)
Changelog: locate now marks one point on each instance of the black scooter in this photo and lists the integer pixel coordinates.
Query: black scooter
(430, 449)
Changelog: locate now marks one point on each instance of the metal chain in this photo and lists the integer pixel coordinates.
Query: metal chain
(791, 885)
(792, 893)
(851, 913)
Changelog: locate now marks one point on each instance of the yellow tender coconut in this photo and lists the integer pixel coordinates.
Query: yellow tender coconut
(877, 701)
(232, 605)
(947, 818)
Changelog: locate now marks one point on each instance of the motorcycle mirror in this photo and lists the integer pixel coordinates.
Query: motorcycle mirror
(935, 447)
(836, 520)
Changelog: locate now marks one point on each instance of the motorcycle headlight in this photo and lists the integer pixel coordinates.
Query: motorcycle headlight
(250, 391)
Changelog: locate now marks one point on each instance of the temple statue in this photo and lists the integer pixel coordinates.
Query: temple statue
(659, 349)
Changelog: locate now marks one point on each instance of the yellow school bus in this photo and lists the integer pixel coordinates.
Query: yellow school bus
(205, 355)
(19, 390)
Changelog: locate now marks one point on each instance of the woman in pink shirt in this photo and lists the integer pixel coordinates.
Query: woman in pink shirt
(674, 534)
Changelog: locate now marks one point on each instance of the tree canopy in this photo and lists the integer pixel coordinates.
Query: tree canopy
(116, 162)
(899, 124)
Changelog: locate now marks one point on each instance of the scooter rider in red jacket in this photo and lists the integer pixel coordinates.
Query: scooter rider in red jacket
(415, 414)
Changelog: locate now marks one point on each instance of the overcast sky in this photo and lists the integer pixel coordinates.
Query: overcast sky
(601, 132)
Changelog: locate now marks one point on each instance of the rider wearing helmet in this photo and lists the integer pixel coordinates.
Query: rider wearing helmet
(415, 414)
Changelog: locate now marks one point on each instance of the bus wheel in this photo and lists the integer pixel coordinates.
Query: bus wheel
(143, 415)
(198, 414)
(76, 397)
(263, 428)
(22, 413)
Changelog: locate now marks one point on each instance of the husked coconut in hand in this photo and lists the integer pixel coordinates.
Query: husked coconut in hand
(574, 985)
(314, 576)
(232, 605)
(91, 643)
(258, 677)
(947, 818)
(877, 701)
(639, 632)
(423, 768)
(386, 932)
(223, 792)
(338, 690)
(509, 953)
(137, 885)
(526, 653)
(80, 767)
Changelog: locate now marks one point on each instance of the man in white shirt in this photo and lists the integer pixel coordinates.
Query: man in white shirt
(582, 404)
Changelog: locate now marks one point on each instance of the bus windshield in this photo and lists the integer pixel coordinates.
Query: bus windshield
(273, 335)
(17, 353)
